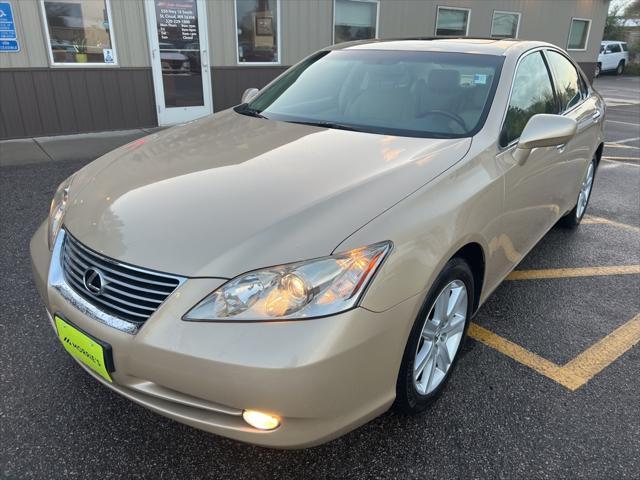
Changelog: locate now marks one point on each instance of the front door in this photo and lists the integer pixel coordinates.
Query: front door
(534, 192)
(179, 59)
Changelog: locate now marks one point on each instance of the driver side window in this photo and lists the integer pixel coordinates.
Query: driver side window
(531, 94)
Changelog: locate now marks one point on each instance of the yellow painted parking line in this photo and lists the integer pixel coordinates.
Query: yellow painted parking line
(573, 272)
(620, 145)
(609, 157)
(603, 353)
(520, 354)
(578, 371)
(599, 220)
(620, 162)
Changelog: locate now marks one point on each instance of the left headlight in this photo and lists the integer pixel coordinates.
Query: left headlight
(58, 208)
(315, 288)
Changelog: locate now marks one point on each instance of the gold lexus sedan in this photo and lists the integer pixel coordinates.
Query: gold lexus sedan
(284, 271)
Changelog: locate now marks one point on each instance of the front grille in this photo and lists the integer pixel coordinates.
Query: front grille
(127, 292)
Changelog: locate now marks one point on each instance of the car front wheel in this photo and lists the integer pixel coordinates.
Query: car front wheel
(436, 338)
(620, 69)
(597, 71)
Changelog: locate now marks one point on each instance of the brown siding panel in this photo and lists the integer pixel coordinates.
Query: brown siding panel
(230, 82)
(62, 92)
(28, 101)
(10, 112)
(46, 102)
(37, 102)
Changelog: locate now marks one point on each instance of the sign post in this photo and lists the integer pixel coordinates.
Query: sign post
(8, 35)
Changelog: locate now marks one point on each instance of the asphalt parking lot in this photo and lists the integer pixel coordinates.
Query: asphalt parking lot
(547, 386)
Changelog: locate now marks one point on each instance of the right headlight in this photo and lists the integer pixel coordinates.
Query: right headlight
(58, 209)
(315, 288)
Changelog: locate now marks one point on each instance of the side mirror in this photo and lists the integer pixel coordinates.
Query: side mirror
(248, 95)
(544, 130)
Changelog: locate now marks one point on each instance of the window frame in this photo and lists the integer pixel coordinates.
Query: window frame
(333, 27)
(445, 7)
(541, 51)
(54, 64)
(519, 14)
(278, 41)
(586, 41)
(554, 80)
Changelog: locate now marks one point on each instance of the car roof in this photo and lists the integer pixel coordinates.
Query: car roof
(607, 42)
(487, 46)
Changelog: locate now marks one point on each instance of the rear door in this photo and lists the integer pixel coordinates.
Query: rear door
(612, 55)
(574, 102)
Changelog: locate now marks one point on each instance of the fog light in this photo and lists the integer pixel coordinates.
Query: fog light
(260, 420)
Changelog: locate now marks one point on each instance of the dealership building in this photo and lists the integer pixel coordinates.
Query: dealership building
(73, 66)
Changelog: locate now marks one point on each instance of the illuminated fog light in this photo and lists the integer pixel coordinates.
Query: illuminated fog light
(260, 420)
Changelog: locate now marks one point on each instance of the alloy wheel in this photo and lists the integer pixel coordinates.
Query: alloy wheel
(585, 191)
(440, 337)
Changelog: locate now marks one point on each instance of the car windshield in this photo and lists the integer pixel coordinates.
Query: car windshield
(416, 94)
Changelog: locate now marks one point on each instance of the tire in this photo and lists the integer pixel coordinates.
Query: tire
(572, 219)
(416, 393)
(598, 70)
(620, 68)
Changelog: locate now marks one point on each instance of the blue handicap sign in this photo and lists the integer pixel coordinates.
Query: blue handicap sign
(8, 35)
(9, 46)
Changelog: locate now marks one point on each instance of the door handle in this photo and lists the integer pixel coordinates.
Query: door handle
(205, 60)
(596, 116)
(561, 147)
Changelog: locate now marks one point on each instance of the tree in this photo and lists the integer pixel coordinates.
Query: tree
(633, 10)
(613, 25)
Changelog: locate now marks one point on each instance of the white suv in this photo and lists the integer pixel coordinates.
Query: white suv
(614, 55)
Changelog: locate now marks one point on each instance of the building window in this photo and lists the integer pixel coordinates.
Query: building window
(505, 24)
(79, 32)
(579, 34)
(354, 20)
(452, 22)
(258, 35)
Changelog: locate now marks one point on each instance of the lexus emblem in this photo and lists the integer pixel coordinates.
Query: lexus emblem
(93, 281)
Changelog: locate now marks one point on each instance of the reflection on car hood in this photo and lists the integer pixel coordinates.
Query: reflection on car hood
(230, 193)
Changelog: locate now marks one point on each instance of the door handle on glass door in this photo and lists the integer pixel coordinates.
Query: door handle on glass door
(205, 60)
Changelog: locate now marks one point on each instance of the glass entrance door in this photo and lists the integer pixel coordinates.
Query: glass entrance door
(179, 59)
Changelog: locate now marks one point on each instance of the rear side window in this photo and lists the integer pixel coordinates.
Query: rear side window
(567, 81)
(624, 47)
(614, 48)
(531, 94)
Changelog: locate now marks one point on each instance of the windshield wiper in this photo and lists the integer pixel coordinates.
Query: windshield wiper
(251, 112)
(338, 126)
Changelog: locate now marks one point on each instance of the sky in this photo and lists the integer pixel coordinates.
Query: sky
(618, 3)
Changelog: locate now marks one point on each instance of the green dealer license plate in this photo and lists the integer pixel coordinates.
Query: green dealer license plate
(92, 352)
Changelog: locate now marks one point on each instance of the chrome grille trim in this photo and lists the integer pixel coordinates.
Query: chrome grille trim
(129, 297)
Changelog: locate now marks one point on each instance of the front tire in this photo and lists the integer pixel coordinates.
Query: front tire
(620, 69)
(436, 338)
(598, 70)
(574, 217)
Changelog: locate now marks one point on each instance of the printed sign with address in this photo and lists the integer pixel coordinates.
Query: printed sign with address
(8, 35)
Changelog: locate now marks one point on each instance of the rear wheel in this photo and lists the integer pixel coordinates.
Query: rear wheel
(574, 217)
(436, 338)
(620, 69)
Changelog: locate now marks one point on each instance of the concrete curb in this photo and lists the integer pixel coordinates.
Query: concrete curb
(83, 146)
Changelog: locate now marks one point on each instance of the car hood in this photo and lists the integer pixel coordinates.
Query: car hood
(229, 193)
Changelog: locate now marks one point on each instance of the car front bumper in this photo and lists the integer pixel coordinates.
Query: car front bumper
(322, 377)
